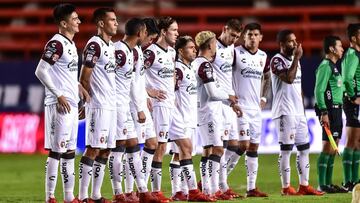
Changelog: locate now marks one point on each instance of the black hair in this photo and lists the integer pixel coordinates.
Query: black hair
(151, 26)
(181, 42)
(283, 34)
(330, 41)
(62, 12)
(165, 22)
(133, 26)
(352, 29)
(100, 13)
(252, 26)
(234, 24)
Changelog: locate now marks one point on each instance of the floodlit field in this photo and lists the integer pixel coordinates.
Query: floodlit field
(22, 180)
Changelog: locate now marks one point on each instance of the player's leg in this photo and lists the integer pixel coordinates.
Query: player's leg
(162, 120)
(67, 161)
(285, 127)
(175, 174)
(251, 158)
(302, 158)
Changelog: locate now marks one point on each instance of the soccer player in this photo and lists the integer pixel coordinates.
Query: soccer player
(186, 112)
(329, 98)
(222, 62)
(98, 77)
(351, 74)
(135, 33)
(57, 71)
(211, 97)
(138, 108)
(289, 115)
(251, 78)
(160, 67)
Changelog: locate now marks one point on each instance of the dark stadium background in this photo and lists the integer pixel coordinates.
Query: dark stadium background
(25, 27)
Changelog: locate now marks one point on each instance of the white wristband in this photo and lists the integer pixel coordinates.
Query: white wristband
(263, 99)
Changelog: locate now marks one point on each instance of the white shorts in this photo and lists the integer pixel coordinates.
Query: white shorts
(230, 125)
(100, 128)
(125, 124)
(145, 130)
(249, 126)
(60, 129)
(292, 129)
(211, 133)
(162, 119)
(177, 129)
(192, 134)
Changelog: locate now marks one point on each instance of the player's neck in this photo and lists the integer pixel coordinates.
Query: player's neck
(332, 58)
(67, 34)
(104, 36)
(206, 54)
(185, 61)
(355, 46)
(252, 50)
(162, 43)
(130, 41)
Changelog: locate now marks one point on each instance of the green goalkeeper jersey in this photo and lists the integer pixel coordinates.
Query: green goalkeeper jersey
(328, 85)
(351, 73)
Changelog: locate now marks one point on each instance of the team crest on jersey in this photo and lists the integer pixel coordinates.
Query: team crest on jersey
(226, 132)
(102, 139)
(62, 144)
(124, 131)
(161, 134)
(242, 132)
(55, 57)
(261, 63)
(292, 136)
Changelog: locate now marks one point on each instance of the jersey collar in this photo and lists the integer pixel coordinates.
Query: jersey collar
(66, 38)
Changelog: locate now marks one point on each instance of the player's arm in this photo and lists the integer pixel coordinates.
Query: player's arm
(289, 75)
(349, 65)
(53, 51)
(91, 55)
(322, 76)
(265, 86)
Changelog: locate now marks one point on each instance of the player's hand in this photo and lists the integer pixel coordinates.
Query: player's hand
(83, 94)
(141, 117)
(357, 101)
(298, 51)
(237, 110)
(324, 120)
(157, 94)
(63, 105)
(81, 112)
(262, 104)
(233, 99)
(149, 104)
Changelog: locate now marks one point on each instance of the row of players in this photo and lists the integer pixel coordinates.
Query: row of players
(126, 72)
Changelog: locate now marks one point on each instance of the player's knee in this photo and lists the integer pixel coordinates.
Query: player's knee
(253, 147)
(151, 143)
(218, 151)
(244, 145)
(104, 153)
(55, 155)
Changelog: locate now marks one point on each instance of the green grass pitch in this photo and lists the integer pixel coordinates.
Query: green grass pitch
(22, 180)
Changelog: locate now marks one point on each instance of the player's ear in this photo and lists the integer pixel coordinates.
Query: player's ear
(332, 50)
(101, 23)
(260, 37)
(63, 23)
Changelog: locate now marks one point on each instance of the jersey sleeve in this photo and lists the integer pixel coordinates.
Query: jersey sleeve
(349, 65)
(120, 58)
(206, 72)
(52, 52)
(277, 65)
(91, 54)
(179, 77)
(149, 58)
(323, 74)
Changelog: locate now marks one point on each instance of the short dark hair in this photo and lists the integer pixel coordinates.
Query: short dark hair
(133, 26)
(283, 34)
(330, 41)
(165, 22)
(234, 24)
(181, 43)
(252, 26)
(62, 11)
(352, 29)
(151, 26)
(100, 13)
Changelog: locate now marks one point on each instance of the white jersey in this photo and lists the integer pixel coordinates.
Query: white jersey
(222, 64)
(139, 79)
(287, 98)
(61, 54)
(100, 56)
(160, 68)
(247, 74)
(186, 93)
(208, 108)
(124, 70)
